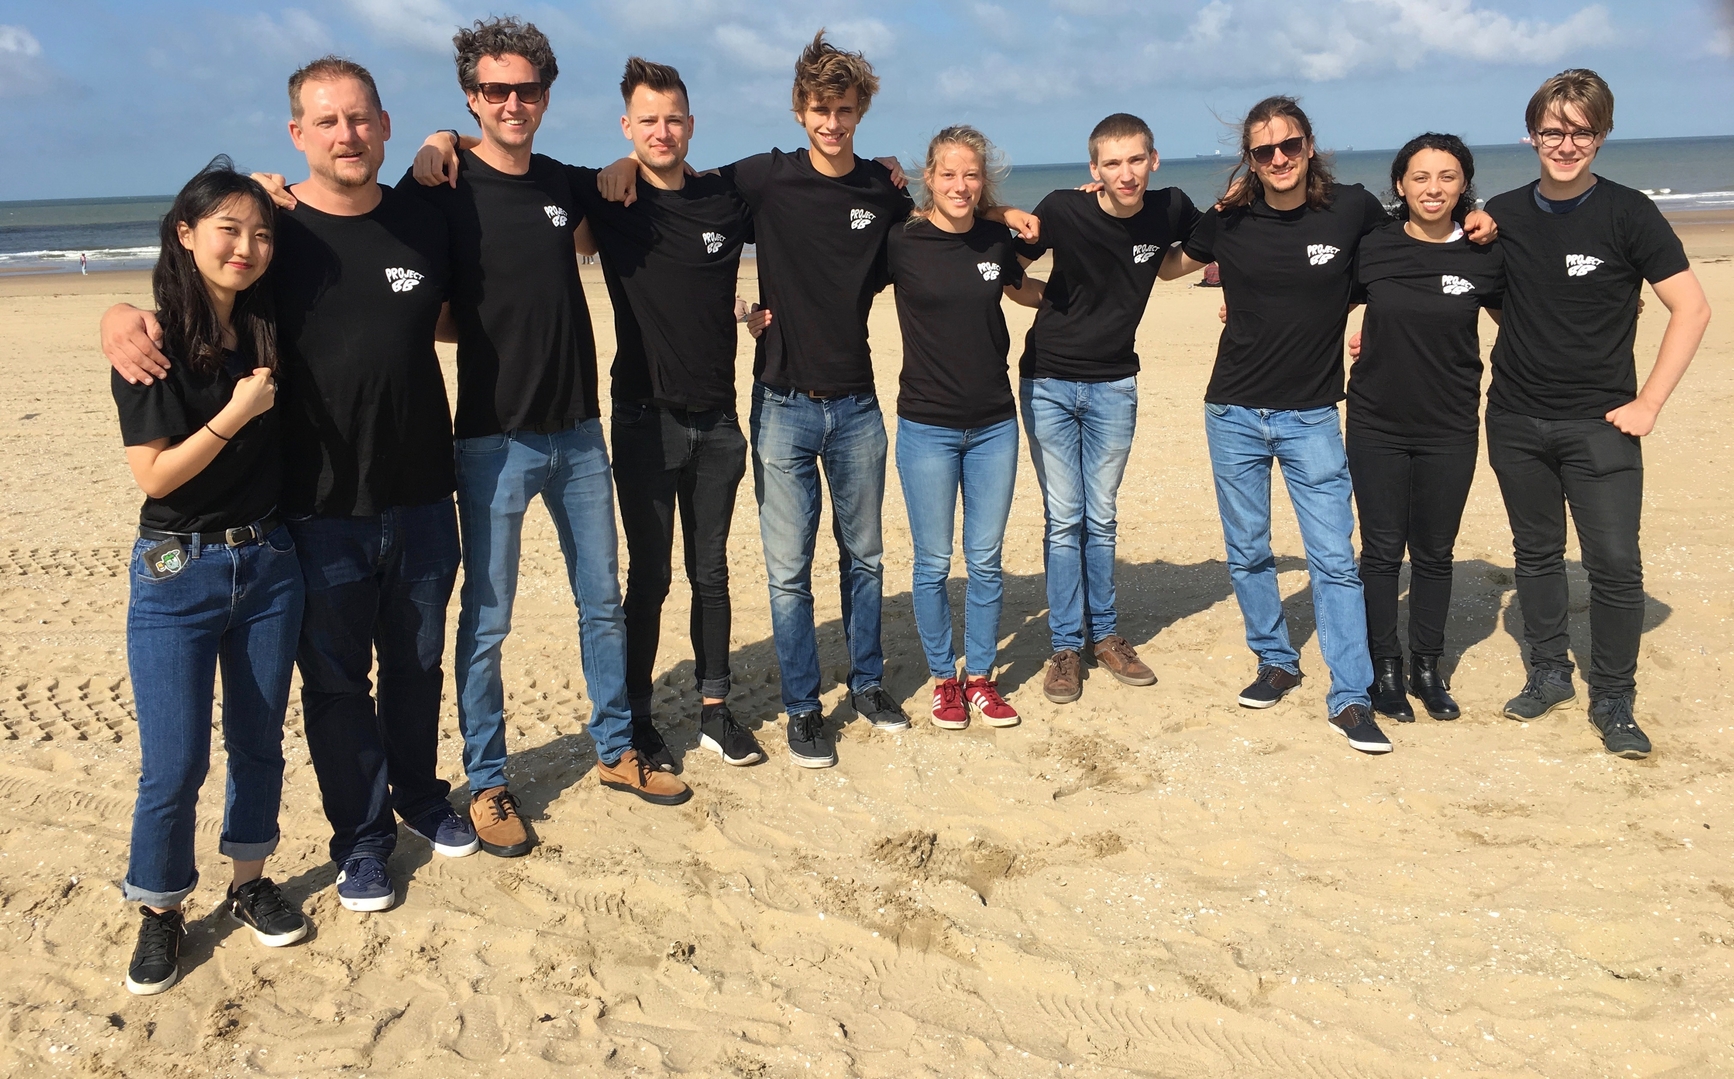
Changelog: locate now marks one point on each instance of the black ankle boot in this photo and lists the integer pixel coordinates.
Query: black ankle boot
(1387, 690)
(1425, 683)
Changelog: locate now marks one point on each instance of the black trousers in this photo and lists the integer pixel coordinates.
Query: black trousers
(1544, 466)
(1409, 498)
(668, 461)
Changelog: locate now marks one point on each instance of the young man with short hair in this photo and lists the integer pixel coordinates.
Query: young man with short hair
(1564, 413)
(528, 420)
(359, 279)
(1078, 386)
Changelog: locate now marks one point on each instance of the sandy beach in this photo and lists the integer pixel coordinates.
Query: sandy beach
(1149, 882)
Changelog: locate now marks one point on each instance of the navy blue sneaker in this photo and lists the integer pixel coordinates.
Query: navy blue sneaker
(450, 834)
(363, 884)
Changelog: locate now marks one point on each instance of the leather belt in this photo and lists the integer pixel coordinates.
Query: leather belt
(228, 537)
(550, 427)
(813, 394)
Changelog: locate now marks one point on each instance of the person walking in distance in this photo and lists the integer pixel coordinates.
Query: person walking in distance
(1078, 386)
(359, 282)
(1565, 415)
(215, 584)
(1414, 400)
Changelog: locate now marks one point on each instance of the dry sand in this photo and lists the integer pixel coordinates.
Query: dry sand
(1148, 882)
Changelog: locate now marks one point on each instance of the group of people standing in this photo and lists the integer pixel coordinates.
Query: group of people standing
(311, 496)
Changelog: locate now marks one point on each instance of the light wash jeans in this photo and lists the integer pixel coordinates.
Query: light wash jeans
(497, 477)
(1309, 443)
(793, 436)
(934, 463)
(1080, 437)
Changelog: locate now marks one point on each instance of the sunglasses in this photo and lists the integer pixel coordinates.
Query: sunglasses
(496, 93)
(1291, 148)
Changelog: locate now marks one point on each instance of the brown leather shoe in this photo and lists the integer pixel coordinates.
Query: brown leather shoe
(1065, 681)
(1115, 653)
(494, 813)
(634, 775)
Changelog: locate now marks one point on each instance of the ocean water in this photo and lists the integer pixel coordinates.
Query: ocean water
(47, 236)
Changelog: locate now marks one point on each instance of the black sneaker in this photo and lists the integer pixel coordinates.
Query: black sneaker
(258, 905)
(1356, 723)
(156, 958)
(1271, 685)
(876, 706)
(1612, 716)
(1545, 691)
(652, 750)
(810, 744)
(719, 733)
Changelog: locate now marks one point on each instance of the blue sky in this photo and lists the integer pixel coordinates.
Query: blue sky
(130, 98)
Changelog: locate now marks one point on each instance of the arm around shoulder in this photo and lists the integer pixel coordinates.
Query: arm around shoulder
(132, 342)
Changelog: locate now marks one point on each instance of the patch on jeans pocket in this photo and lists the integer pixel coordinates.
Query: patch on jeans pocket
(165, 559)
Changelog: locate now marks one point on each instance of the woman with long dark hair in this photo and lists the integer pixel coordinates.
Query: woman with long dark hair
(1414, 407)
(215, 581)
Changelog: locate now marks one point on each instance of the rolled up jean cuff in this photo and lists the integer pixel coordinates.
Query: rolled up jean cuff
(715, 687)
(135, 894)
(248, 852)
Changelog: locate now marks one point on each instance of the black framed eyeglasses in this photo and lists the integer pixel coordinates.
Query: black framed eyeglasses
(1553, 137)
(1291, 148)
(496, 93)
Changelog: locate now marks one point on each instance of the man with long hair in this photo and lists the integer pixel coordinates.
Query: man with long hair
(1565, 415)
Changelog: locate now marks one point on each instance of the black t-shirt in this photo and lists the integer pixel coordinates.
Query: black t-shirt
(949, 286)
(670, 260)
(241, 483)
(821, 254)
(1418, 381)
(1571, 302)
(1286, 276)
(365, 421)
(1104, 267)
(526, 350)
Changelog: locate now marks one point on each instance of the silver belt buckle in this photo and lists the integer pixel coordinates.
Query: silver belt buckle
(234, 537)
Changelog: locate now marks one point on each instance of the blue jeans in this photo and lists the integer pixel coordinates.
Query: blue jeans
(381, 583)
(934, 462)
(1309, 444)
(238, 608)
(793, 436)
(1080, 437)
(498, 475)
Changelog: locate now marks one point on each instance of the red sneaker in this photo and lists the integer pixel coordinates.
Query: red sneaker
(948, 709)
(985, 701)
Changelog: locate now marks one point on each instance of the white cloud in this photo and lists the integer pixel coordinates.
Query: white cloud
(748, 47)
(1459, 28)
(421, 24)
(22, 69)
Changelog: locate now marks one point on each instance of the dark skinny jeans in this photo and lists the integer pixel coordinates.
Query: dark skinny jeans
(1408, 497)
(667, 461)
(1590, 465)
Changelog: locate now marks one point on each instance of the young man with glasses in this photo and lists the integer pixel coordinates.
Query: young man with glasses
(1564, 413)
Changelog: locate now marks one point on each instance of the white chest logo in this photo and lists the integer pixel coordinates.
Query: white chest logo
(1319, 254)
(989, 270)
(1579, 265)
(860, 219)
(557, 215)
(1142, 253)
(402, 280)
(1454, 286)
(713, 242)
